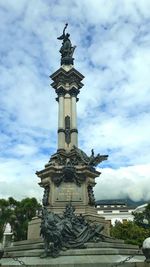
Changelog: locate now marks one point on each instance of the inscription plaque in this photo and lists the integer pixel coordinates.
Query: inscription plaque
(69, 192)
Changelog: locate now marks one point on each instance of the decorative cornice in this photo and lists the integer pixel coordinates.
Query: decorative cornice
(67, 73)
(63, 77)
(61, 91)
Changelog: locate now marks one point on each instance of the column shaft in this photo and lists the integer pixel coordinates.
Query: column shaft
(67, 112)
(74, 112)
(74, 134)
(61, 134)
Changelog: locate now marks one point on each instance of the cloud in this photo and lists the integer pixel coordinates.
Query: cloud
(124, 182)
(18, 177)
(113, 43)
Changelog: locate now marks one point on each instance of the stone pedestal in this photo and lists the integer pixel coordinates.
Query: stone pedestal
(7, 239)
(69, 177)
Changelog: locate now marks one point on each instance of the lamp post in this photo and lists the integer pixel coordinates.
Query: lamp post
(146, 249)
(146, 243)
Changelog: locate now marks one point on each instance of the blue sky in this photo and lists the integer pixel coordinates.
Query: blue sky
(113, 53)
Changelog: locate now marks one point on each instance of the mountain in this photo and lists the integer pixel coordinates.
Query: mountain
(129, 202)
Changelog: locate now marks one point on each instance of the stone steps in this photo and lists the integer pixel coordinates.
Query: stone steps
(73, 252)
(110, 245)
(78, 261)
(40, 245)
(29, 251)
(23, 253)
(25, 247)
(95, 255)
(35, 241)
(26, 242)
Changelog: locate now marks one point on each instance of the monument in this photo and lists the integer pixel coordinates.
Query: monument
(69, 224)
(70, 174)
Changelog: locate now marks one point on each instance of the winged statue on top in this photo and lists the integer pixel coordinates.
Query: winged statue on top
(66, 49)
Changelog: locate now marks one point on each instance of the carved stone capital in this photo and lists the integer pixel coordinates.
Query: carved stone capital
(60, 91)
(74, 91)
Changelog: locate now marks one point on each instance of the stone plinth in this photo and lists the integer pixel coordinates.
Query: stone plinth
(69, 177)
(101, 254)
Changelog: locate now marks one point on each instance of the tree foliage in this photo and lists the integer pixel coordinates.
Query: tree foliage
(133, 232)
(18, 214)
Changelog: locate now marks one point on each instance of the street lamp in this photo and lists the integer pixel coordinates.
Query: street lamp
(146, 249)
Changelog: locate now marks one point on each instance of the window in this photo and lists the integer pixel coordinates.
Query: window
(107, 211)
(123, 210)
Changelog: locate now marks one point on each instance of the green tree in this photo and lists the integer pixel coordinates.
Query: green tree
(133, 232)
(18, 214)
(130, 232)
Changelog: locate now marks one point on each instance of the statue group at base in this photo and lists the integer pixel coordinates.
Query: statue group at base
(67, 231)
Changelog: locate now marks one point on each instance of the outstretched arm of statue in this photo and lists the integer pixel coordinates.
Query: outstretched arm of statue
(66, 25)
(63, 35)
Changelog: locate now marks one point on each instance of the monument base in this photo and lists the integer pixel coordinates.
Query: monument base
(99, 254)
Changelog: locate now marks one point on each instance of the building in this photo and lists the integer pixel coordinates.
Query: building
(115, 210)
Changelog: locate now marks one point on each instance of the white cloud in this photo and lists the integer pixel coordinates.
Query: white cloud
(131, 181)
(18, 179)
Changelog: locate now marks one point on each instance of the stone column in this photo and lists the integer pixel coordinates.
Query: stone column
(67, 112)
(74, 132)
(61, 126)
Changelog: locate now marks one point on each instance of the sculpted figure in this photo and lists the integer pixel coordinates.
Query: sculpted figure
(51, 234)
(91, 195)
(91, 161)
(67, 231)
(66, 49)
(45, 196)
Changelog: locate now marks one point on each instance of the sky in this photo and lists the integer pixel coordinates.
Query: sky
(113, 53)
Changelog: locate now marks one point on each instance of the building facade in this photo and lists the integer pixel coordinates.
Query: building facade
(115, 211)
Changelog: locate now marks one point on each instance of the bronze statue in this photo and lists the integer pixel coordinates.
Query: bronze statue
(91, 161)
(51, 234)
(67, 231)
(91, 196)
(46, 195)
(66, 49)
